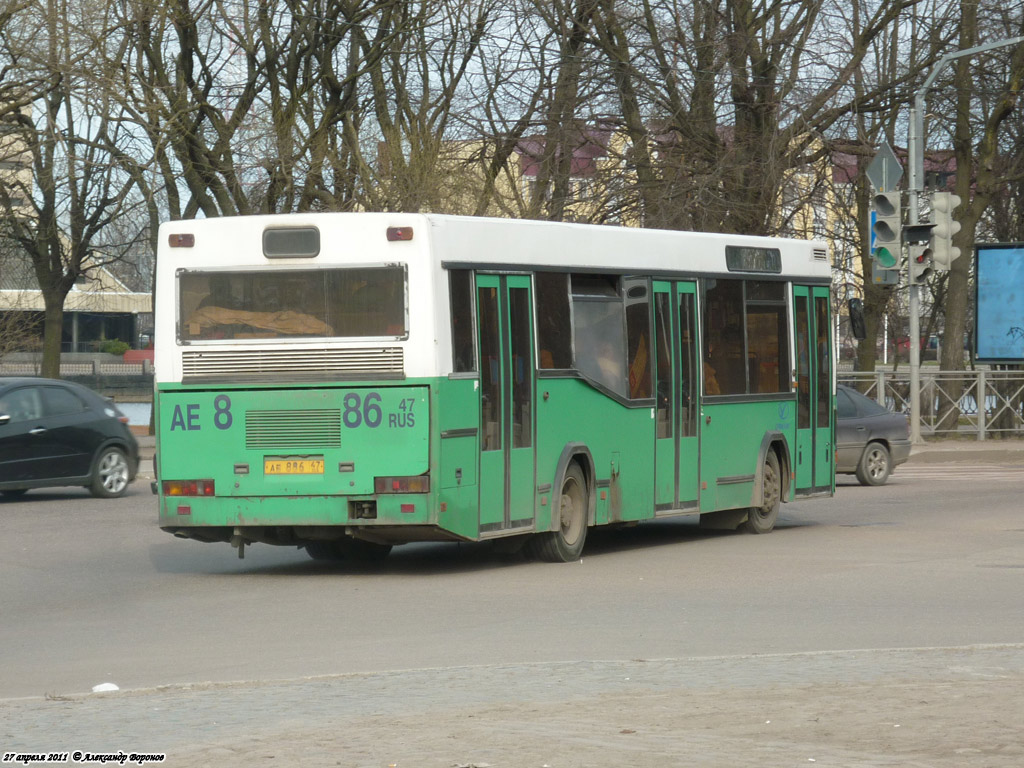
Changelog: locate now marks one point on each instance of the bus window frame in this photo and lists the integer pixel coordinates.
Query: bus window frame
(474, 331)
(282, 268)
(788, 315)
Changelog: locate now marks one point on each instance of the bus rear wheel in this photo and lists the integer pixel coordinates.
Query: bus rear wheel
(762, 519)
(356, 550)
(566, 544)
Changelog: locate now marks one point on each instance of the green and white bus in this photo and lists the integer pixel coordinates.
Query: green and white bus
(344, 382)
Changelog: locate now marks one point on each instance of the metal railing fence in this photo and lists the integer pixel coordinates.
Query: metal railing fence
(87, 368)
(979, 403)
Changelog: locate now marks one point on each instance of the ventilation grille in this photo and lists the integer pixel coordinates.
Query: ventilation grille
(820, 254)
(293, 363)
(284, 430)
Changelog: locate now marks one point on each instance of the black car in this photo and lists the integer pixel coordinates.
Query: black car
(56, 433)
(870, 440)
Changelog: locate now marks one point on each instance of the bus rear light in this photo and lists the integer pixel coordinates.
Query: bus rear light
(181, 241)
(411, 484)
(188, 488)
(399, 233)
(184, 509)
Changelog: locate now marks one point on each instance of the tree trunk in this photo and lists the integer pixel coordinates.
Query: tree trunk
(53, 331)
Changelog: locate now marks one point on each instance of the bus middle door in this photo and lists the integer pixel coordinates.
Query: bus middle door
(504, 320)
(814, 448)
(676, 447)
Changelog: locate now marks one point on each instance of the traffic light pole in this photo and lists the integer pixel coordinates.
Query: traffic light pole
(915, 185)
(915, 150)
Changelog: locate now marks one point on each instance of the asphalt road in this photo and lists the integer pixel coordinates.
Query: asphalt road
(92, 591)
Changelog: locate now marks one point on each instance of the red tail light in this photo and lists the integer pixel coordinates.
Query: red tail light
(399, 233)
(412, 484)
(189, 488)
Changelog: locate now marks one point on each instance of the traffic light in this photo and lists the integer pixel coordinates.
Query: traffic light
(941, 241)
(887, 215)
(921, 265)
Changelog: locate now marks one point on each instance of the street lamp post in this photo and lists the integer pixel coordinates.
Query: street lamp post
(915, 150)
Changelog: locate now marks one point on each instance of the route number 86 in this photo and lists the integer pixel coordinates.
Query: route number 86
(362, 410)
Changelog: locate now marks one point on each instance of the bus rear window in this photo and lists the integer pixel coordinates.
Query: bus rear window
(333, 303)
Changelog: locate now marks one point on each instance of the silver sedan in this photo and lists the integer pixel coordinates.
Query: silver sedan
(871, 440)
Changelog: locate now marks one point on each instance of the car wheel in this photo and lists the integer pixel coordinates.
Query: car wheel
(110, 474)
(875, 465)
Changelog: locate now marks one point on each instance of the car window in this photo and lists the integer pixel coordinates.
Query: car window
(845, 409)
(59, 401)
(865, 405)
(22, 404)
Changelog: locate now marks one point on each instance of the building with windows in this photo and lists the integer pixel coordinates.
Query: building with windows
(100, 307)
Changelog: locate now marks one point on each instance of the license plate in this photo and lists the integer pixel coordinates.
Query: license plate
(286, 465)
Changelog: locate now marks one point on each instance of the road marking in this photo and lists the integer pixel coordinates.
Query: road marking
(974, 471)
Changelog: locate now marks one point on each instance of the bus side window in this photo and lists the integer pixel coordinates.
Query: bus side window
(724, 364)
(554, 324)
(463, 347)
(767, 345)
(599, 330)
(638, 338)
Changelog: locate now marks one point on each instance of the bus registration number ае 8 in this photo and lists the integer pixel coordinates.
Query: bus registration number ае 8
(293, 465)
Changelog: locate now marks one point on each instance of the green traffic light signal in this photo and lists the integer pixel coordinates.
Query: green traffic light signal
(885, 258)
(886, 226)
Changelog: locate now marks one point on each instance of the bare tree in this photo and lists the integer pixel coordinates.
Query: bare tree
(979, 174)
(75, 189)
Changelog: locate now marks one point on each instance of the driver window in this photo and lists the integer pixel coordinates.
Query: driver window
(22, 405)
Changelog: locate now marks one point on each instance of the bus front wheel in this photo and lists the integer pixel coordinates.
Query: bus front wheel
(565, 544)
(762, 519)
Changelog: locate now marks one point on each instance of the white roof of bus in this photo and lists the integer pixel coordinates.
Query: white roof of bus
(511, 242)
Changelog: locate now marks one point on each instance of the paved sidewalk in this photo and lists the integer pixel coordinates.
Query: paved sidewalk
(973, 451)
(941, 707)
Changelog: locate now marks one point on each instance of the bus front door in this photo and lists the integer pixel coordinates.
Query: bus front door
(676, 446)
(505, 338)
(814, 448)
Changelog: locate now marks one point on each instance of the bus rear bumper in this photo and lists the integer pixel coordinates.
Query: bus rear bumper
(385, 519)
(300, 535)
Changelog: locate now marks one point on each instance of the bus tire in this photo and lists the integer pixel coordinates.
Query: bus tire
(110, 474)
(762, 519)
(360, 551)
(355, 550)
(323, 550)
(566, 544)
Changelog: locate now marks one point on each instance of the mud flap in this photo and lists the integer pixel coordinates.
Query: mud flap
(726, 520)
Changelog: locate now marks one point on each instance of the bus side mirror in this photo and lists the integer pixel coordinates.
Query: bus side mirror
(856, 310)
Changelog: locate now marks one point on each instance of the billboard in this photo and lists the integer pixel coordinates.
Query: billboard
(999, 303)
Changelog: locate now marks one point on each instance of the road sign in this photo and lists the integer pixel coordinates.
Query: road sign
(885, 171)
